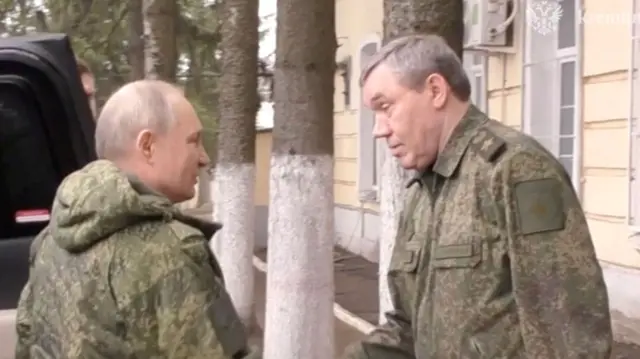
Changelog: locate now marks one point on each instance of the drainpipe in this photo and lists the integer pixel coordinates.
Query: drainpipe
(579, 84)
(634, 232)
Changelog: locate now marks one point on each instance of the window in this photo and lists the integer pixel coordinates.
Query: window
(40, 144)
(344, 69)
(475, 64)
(634, 127)
(551, 89)
(370, 151)
(46, 131)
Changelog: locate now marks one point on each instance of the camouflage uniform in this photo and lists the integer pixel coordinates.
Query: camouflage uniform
(119, 273)
(493, 258)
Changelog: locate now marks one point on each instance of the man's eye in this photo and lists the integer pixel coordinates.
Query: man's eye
(383, 107)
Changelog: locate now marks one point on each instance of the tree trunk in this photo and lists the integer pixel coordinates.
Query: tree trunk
(136, 40)
(300, 290)
(403, 17)
(160, 50)
(235, 169)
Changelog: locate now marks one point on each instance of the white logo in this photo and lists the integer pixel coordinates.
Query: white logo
(544, 16)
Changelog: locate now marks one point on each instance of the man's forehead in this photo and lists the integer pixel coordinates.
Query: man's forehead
(187, 115)
(379, 81)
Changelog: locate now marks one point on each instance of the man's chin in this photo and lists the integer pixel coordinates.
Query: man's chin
(407, 163)
(184, 197)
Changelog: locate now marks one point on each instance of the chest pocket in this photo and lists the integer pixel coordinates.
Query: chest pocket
(406, 254)
(463, 255)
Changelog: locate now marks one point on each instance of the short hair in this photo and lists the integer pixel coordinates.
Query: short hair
(138, 105)
(83, 67)
(415, 57)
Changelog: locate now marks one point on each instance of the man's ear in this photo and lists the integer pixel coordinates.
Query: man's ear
(145, 143)
(438, 89)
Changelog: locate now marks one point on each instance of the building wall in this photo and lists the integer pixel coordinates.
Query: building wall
(357, 225)
(263, 162)
(606, 151)
(504, 77)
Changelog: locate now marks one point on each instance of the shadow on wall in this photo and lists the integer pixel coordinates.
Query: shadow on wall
(624, 301)
(262, 227)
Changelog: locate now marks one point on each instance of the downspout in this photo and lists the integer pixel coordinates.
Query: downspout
(503, 115)
(630, 120)
(579, 85)
(633, 229)
(523, 95)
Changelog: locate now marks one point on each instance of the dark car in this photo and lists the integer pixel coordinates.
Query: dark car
(46, 132)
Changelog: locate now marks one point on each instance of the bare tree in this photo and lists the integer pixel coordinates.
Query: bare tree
(300, 290)
(160, 45)
(403, 17)
(136, 40)
(234, 179)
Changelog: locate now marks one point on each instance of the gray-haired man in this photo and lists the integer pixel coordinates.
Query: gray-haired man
(493, 257)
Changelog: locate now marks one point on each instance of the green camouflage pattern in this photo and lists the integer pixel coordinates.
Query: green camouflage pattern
(120, 273)
(493, 259)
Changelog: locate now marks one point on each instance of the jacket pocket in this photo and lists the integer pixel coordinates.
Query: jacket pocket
(406, 255)
(463, 255)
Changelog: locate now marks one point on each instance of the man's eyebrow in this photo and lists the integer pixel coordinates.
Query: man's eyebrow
(196, 134)
(377, 97)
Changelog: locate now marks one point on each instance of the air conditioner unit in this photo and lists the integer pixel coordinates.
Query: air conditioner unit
(486, 23)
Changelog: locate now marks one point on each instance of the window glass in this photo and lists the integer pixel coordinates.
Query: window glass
(28, 177)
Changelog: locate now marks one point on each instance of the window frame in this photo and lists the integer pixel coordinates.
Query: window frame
(370, 151)
(558, 57)
(473, 71)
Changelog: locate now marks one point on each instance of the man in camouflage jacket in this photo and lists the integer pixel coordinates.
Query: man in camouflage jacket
(493, 258)
(119, 272)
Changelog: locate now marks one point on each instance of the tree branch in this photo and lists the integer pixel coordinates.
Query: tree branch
(186, 27)
(41, 21)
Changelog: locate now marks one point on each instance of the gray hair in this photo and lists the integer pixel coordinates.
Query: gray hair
(415, 57)
(139, 105)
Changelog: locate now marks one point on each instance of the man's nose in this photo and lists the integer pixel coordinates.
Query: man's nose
(381, 127)
(204, 157)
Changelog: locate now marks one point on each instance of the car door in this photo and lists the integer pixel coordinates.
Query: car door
(46, 132)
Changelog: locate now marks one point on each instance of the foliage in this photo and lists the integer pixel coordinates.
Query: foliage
(101, 34)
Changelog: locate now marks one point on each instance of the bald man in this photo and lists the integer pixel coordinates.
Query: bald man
(119, 272)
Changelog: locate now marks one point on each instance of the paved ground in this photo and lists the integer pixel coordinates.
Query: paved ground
(344, 334)
(356, 284)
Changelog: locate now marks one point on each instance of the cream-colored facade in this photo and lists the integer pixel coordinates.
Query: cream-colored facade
(578, 99)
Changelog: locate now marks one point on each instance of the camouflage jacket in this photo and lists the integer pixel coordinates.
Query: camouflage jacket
(493, 258)
(119, 273)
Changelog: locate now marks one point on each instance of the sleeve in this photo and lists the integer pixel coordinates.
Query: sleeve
(23, 324)
(394, 338)
(196, 318)
(557, 280)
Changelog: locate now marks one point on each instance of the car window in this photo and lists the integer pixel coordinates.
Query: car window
(28, 174)
(46, 132)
